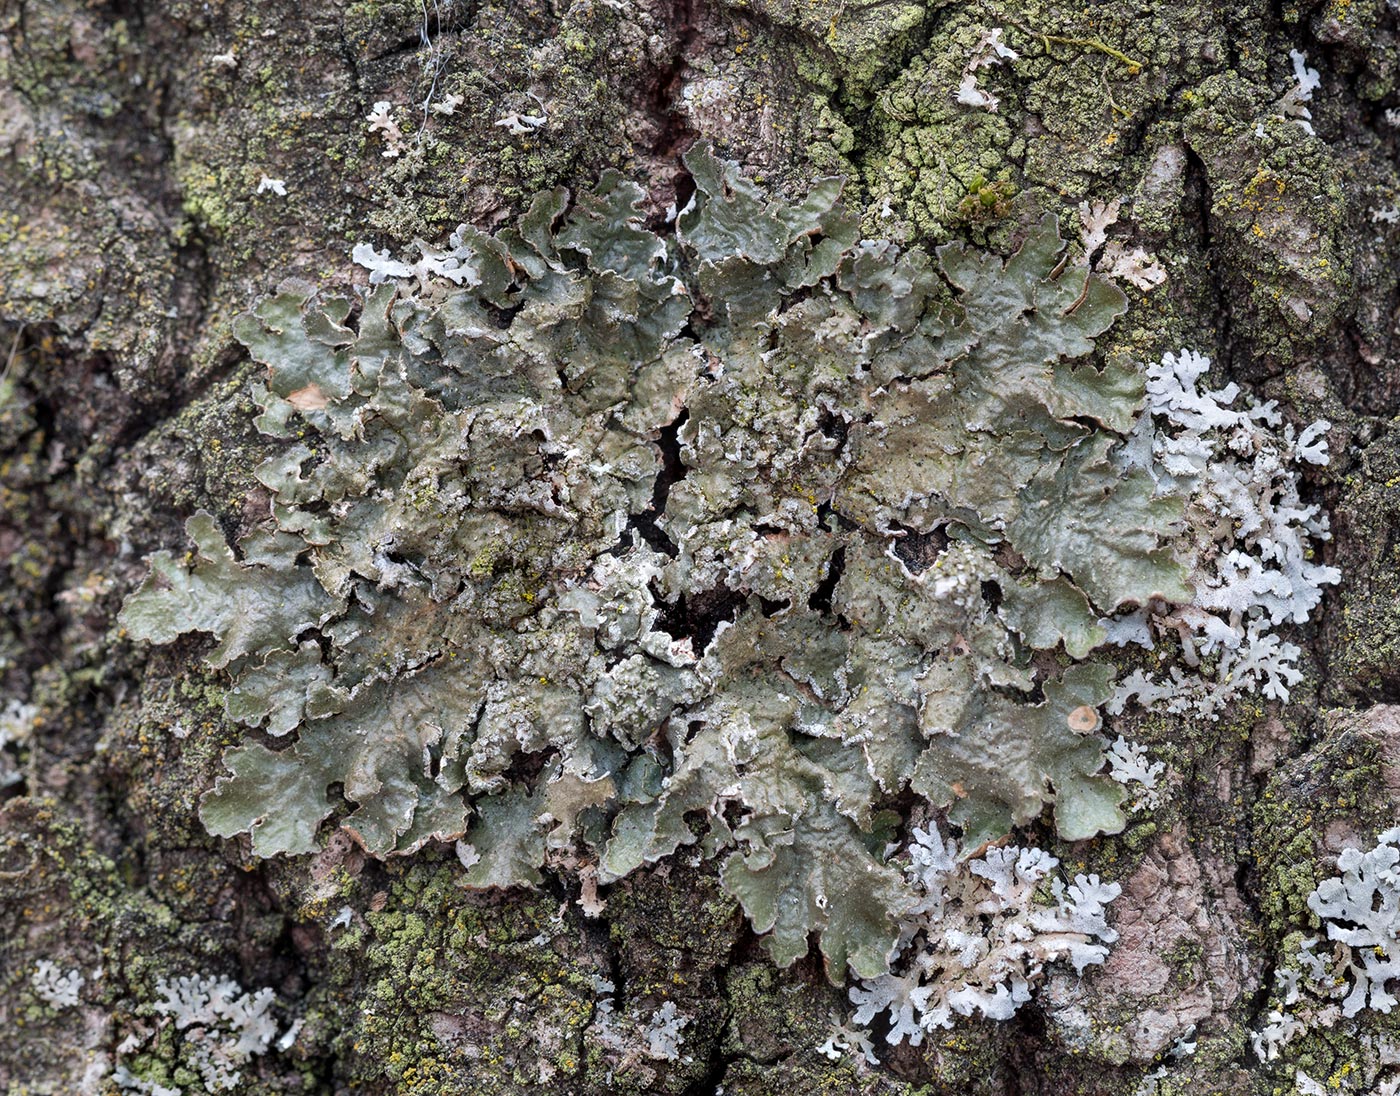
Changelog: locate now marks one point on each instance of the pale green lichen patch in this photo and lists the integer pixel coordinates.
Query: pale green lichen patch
(599, 545)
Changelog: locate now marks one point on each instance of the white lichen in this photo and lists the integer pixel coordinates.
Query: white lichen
(226, 1027)
(1360, 909)
(289, 1037)
(129, 1082)
(1306, 81)
(969, 94)
(1306, 1086)
(447, 105)
(56, 988)
(520, 122)
(663, 1033)
(1095, 219)
(1249, 534)
(1278, 1031)
(17, 721)
(982, 935)
(1360, 912)
(1132, 766)
(381, 120)
(1132, 265)
(454, 264)
(843, 1039)
(991, 50)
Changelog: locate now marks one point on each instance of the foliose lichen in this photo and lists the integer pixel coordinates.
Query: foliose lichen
(590, 543)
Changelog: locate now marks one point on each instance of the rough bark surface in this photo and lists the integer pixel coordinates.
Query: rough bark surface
(134, 135)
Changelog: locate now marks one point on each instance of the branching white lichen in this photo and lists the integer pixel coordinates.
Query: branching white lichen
(225, 1027)
(657, 1035)
(969, 94)
(847, 1039)
(982, 934)
(56, 988)
(381, 120)
(1360, 909)
(129, 1082)
(1132, 766)
(521, 122)
(991, 50)
(447, 105)
(1360, 913)
(1249, 533)
(1134, 266)
(1095, 219)
(1346, 1082)
(663, 1033)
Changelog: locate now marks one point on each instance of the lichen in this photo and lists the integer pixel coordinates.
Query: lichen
(980, 938)
(592, 543)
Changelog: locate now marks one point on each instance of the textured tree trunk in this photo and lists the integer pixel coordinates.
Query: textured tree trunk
(167, 162)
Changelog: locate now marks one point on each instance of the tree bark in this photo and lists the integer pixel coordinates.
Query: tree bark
(140, 142)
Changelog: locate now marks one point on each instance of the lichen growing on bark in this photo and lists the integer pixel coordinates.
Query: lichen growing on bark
(144, 152)
(589, 540)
